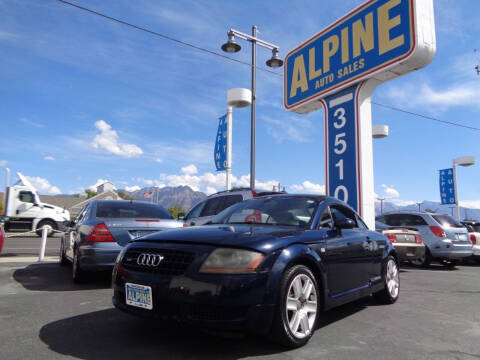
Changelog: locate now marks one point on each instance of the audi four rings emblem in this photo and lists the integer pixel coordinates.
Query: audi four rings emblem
(149, 259)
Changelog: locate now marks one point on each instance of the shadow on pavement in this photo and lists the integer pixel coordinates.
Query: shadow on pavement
(53, 277)
(110, 334)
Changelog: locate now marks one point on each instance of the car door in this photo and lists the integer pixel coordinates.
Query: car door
(347, 255)
(72, 235)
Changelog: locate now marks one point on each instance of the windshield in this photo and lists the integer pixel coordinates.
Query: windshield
(131, 209)
(289, 211)
(447, 221)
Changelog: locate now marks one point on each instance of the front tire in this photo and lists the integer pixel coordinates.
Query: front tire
(50, 227)
(297, 310)
(391, 281)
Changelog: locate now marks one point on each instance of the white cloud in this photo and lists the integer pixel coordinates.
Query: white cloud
(31, 123)
(108, 140)
(390, 192)
(132, 188)
(210, 190)
(3, 162)
(414, 95)
(189, 170)
(43, 186)
(471, 204)
(49, 158)
(290, 128)
(195, 152)
(309, 187)
(158, 160)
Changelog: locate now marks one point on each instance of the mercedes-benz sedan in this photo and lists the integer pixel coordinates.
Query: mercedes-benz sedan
(268, 265)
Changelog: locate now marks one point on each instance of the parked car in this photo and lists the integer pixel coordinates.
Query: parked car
(473, 228)
(446, 240)
(407, 241)
(103, 227)
(268, 265)
(204, 211)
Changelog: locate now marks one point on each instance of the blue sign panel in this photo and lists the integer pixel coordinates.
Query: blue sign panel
(372, 37)
(220, 154)
(447, 186)
(341, 147)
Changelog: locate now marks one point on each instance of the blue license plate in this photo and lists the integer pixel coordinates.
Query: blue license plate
(138, 296)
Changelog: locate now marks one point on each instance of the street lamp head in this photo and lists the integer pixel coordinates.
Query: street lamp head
(239, 98)
(379, 131)
(275, 61)
(231, 46)
(464, 160)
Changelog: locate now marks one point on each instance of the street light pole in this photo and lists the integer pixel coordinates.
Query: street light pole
(230, 47)
(462, 161)
(253, 119)
(381, 205)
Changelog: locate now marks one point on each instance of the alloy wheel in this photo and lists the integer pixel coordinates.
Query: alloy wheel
(393, 282)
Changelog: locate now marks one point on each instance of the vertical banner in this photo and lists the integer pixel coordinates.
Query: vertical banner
(342, 147)
(447, 186)
(220, 153)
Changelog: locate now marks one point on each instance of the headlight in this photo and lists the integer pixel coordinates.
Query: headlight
(120, 255)
(232, 261)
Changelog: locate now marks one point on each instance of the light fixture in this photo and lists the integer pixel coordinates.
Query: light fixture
(231, 46)
(275, 61)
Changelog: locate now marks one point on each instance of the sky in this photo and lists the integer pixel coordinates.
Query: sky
(84, 99)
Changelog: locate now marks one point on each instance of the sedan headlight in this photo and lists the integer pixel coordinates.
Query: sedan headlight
(232, 261)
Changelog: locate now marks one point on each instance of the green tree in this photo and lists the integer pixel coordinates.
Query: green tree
(174, 211)
(125, 196)
(429, 210)
(1, 206)
(90, 193)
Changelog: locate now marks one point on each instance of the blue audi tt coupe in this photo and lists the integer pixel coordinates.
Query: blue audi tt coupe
(269, 265)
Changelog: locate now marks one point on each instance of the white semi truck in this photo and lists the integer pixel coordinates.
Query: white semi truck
(25, 211)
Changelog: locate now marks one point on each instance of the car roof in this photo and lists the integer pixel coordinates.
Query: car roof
(309, 196)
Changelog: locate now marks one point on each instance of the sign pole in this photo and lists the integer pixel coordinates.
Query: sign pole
(228, 168)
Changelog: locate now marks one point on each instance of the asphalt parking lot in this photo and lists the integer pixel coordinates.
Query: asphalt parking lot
(43, 315)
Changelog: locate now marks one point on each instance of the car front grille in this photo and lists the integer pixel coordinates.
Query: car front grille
(174, 262)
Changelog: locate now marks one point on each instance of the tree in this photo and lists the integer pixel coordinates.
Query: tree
(125, 196)
(429, 210)
(174, 211)
(90, 193)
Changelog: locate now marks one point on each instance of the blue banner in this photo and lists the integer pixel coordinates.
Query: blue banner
(341, 147)
(220, 154)
(447, 186)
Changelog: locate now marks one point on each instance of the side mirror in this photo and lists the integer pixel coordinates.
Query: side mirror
(345, 223)
(181, 216)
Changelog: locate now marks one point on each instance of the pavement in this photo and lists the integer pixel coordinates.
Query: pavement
(44, 315)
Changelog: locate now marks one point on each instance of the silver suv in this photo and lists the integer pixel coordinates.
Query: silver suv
(446, 240)
(204, 211)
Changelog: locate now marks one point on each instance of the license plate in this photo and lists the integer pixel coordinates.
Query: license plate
(462, 237)
(138, 296)
(137, 234)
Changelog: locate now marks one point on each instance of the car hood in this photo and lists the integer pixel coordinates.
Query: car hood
(265, 238)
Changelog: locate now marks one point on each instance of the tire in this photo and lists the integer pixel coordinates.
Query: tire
(424, 261)
(297, 310)
(450, 264)
(78, 275)
(43, 223)
(391, 281)
(63, 259)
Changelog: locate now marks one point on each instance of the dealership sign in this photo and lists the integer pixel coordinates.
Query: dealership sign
(338, 69)
(447, 187)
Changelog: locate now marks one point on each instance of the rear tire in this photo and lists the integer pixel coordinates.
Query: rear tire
(423, 261)
(49, 224)
(297, 310)
(63, 259)
(391, 281)
(78, 275)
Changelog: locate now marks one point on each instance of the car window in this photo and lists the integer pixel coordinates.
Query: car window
(26, 196)
(131, 209)
(339, 212)
(195, 212)
(361, 223)
(289, 211)
(469, 228)
(476, 227)
(404, 220)
(212, 206)
(230, 200)
(447, 221)
(326, 219)
(381, 219)
(81, 214)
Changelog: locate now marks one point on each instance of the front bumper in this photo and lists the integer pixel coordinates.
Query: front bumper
(100, 256)
(214, 301)
(407, 252)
